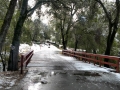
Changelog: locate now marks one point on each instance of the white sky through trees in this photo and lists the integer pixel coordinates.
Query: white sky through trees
(45, 19)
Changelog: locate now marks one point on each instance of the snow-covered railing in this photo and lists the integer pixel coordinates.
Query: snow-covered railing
(113, 61)
(25, 59)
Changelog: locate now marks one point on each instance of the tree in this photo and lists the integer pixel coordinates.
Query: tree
(80, 29)
(36, 31)
(3, 9)
(13, 59)
(14, 52)
(5, 27)
(113, 19)
(64, 13)
(55, 31)
(26, 36)
(6, 23)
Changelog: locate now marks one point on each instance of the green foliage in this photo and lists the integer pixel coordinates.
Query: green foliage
(3, 9)
(27, 32)
(80, 20)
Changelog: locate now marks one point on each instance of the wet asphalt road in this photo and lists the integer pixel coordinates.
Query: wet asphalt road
(50, 70)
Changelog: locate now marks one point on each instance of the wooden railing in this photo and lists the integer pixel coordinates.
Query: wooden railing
(25, 59)
(113, 61)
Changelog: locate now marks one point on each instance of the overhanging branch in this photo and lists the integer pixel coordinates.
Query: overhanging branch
(105, 10)
(31, 11)
(117, 12)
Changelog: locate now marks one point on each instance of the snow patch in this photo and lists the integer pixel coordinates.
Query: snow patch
(24, 48)
(80, 65)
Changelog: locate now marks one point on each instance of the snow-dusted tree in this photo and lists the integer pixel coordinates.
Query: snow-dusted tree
(113, 20)
(24, 13)
(6, 24)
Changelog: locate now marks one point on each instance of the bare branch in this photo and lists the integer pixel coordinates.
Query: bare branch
(105, 10)
(31, 11)
(117, 11)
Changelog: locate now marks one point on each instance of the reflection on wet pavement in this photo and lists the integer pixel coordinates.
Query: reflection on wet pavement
(66, 80)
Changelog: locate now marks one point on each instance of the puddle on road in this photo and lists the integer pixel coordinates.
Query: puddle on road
(51, 80)
(43, 74)
(37, 79)
(87, 74)
(58, 67)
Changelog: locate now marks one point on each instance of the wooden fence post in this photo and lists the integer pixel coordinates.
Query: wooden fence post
(22, 57)
(117, 69)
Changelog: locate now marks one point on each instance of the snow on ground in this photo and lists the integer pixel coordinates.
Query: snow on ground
(105, 74)
(7, 81)
(48, 47)
(80, 65)
(25, 47)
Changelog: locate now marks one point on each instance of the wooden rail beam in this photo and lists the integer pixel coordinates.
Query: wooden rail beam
(95, 58)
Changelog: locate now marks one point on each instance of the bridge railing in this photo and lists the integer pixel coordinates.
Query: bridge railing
(113, 61)
(25, 59)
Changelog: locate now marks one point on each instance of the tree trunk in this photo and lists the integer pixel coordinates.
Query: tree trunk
(64, 45)
(4, 65)
(94, 51)
(110, 41)
(6, 23)
(110, 38)
(76, 44)
(62, 34)
(14, 52)
(65, 33)
(3, 62)
(113, 26)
